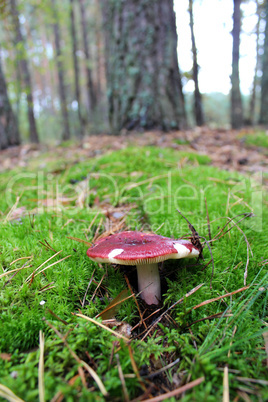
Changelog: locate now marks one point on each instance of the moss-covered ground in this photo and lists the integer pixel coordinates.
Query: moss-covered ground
(136, 189)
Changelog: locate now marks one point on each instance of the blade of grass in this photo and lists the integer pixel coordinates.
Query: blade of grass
(41, 382)
(6, 393)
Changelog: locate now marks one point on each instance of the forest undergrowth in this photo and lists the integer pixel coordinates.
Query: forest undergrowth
(72, 329)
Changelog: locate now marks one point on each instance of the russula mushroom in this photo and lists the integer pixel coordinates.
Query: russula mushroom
(144, 250)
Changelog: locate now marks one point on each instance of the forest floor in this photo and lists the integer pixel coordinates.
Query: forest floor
(243, 151)
(207, 340)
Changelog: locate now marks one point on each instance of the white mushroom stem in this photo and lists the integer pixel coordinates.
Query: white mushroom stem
(149, 283)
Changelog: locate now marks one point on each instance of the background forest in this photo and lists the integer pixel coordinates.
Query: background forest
(72, 68)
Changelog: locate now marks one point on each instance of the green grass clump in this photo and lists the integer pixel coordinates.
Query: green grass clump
(42, 206)
(258, 139)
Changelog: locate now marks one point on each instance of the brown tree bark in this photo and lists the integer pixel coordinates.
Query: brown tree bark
(9, 132)
(264, 78)
(76, 67)
(198, 105)
(143, 78)
(236, 101)
(90, 86)
(63, 101)
(22, 60)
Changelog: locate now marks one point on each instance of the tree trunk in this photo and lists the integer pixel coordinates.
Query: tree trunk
(264, 78)
(22, 60)
(236, 101)
(252, 104)
(76, 67)
(143, 78)
(63, 101)
(9, 132)
(198, 105)
(90, 87)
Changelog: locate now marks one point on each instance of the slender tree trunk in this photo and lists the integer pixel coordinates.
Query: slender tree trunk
(9, 132)
(198, 105)
(62, 93)
(264, 78)
(252, 104)
(236, 101)
(143, 78)
(90, 87)
(22, 60)
(76, 67)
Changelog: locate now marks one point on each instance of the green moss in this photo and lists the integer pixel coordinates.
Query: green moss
(156, 182)
(258, 139)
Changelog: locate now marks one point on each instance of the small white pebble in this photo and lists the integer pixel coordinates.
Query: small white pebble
(42, 302)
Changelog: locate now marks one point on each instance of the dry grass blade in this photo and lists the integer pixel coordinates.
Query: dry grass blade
(177, 391)
(99, 284)
(95, 238)
(13, 270)
(40, 266)
(253, 380)
(226, 397)
(21, 258)
(103, 326)
(80, 240)
(150, 180)
(135, 368)
(47, 245)
(122, 379)
(88, 286)
(208, 221)
(220, 297)
(95, 376)
(41, 382)
(91, 223)
(51, 265)
(265, 337)
(212, 317)
(7, 394)
(12, 209)
(244, 216)
(248, 248)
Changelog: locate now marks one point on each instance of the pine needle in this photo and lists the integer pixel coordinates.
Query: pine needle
(40, 266)
(13, 270)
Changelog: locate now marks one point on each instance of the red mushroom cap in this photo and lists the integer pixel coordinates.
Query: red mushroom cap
(133, 248)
